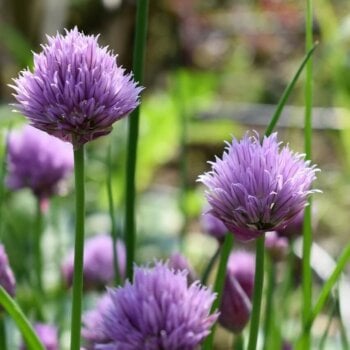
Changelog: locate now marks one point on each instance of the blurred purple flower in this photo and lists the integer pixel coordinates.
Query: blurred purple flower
(7, 278)
(179, 263)
(276, 246)
(158, 311)
(294, 227)
(98, 269)
(76, 90)
(48, 336)
(256, 187)
(236, 302)
(38, 161)
(213, 226)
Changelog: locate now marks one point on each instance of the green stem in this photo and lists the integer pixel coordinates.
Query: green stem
(117, 278)
(328, 326)
(269, 311)
(3, 343)
(238, 342)
(79, 247)
(219, 285)
(328, 286)
(307, 230)
(37, 246)
(257, 295)
(21, 321)
(282, 101)
(211, 264)
(138, 66)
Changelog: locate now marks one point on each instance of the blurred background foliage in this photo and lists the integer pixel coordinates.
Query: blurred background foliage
(207, 61)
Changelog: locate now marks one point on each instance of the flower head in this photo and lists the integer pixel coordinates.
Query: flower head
(178, 262)
(158, 311)
(257, 187)
(48, 336)
(236, 302)
(98, 268)
(7, 278)
(38, 161)
(76, 90)
(276, 246)
(213, 226)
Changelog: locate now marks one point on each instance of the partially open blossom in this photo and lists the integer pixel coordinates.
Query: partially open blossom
(48, 336)
(236, 302)
(7, 278)
(76, 90)
(37, 161)
(98, 268)
(276, 246)
(213, 226)
(257, 187)
(158, 311)
(178, 262)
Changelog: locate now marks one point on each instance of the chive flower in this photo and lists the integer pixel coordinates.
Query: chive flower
(37, 161)
(47, 334)
(7, 278)
(236, 302)
(213, 226)
(98, 266)
(157, 311)
(76, 90)
(258, 186)
(177, 261)
(276, 246)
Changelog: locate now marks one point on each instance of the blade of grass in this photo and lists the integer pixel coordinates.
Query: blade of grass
(112, 215)
(210, 265)
(287, 91)
(307, 228)
(21, 321)
(138, 67)
(219, 285)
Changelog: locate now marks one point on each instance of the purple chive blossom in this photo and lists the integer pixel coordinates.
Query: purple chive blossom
(37, 161)
(178, 262)
(98, 268)
(213, 226)
(158, 311)
(76, 90)
(7, 278)
(257, 187)
(294, 228)
(236, 302)
(48, 336)
(276, 246)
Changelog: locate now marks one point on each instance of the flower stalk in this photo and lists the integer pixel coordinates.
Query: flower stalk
(79, 246)
(138, 68)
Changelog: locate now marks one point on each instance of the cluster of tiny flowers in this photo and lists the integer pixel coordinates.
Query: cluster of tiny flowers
(98, 268)
(37, 161)
(76, 90)
(7, 278)
(48, 336)
(213, 226)
(257, 187)
(158, 311)
(236, 302)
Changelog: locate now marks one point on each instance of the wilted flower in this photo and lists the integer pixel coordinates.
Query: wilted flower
(98, 268)
(158, 311)
(48, 336)
(213, 226)
(178, 262)
(76, 90)
(276, 246)
(256, 187)
(38, 161)
(236, 302)
(7, 279)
